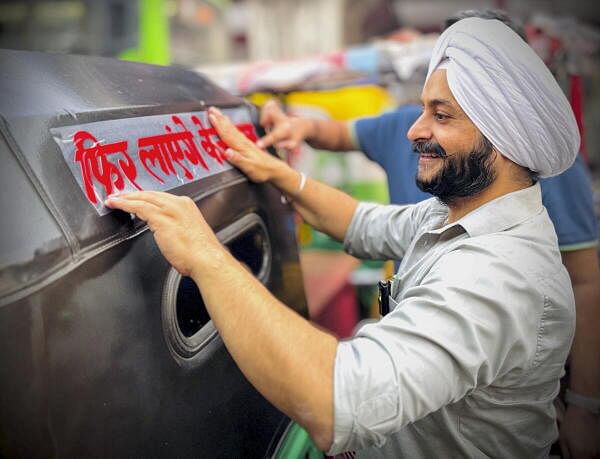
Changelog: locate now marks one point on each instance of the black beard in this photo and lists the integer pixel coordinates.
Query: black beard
(462, 174)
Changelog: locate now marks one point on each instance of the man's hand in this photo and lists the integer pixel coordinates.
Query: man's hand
(580, 434)
(327, 209)
(182, 234)
(257, 164)
(284, 131)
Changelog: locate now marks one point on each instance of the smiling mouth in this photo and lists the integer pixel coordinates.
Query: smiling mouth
(429, 155)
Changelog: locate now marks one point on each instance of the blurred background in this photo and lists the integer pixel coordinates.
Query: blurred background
(280, 47)
(337, 59)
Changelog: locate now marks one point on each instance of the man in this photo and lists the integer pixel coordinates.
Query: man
(467, 362)
(567, 197)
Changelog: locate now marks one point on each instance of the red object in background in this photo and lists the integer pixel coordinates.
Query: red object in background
(332, 301)
(576, 96)
(337, 58)
(548, 47)
(341, 313)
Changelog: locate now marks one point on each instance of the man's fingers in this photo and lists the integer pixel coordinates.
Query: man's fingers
(233, 156)
(265, 119)
(141, 208)
(158, 198)
(270, 113)
(238, 159)
(221, 123)
(288, 144)
(226, 130)
(267, 140)
(279, 133)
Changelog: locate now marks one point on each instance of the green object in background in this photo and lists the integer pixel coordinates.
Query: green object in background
(153, 41)
(333, 169)
(322, 241)
(297, 444)
(372, 191)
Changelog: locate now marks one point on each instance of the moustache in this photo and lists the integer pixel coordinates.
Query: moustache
(428, 147)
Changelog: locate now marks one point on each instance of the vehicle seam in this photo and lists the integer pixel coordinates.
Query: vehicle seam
(39, 188)
(93, 251)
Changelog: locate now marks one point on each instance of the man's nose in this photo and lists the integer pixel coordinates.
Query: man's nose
(419, 130)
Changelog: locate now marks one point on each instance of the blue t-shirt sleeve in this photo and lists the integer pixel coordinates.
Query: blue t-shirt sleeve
(383, 140)
(569, 200)
(368, 132)
(377, 135)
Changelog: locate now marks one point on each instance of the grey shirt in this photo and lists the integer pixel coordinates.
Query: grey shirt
(468, 362)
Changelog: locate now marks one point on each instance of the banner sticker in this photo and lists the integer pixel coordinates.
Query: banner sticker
(158, 152)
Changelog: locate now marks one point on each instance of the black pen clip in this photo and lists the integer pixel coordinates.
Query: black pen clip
(384, 297)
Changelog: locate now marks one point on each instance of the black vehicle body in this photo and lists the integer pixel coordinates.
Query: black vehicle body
(105, 351)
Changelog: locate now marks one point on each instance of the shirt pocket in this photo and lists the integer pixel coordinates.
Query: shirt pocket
(395, 292)
(393, 303)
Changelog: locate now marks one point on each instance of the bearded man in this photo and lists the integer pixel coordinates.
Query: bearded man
(467, 362)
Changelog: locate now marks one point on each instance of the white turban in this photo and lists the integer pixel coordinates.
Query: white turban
(509, 94)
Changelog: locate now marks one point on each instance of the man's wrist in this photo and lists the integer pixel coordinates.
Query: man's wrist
(591, 404)
(315, 129)
(284, 178)
(288, 197)
(309, 128)
(210, 259)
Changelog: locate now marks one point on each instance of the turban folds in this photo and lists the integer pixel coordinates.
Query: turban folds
(509, 94)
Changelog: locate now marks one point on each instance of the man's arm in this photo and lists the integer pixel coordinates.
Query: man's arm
(579, 432)
(286, 358)
(568, 198)
(288, 132)
(585, 356)
(323, 207)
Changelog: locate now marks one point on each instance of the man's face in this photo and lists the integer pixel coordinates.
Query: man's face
(455, 159)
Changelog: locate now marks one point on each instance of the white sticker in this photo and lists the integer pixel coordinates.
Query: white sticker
(158, 152)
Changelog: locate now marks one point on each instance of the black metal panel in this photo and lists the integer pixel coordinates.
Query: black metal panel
(41, 91)
(48, 86)
(84, 367)
(85, 370)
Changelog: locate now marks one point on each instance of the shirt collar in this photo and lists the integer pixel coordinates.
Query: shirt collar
(501, 213)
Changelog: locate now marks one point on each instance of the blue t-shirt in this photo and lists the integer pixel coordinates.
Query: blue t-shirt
(568, 196)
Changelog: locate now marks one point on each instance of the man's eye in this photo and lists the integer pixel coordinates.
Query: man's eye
(440, 116)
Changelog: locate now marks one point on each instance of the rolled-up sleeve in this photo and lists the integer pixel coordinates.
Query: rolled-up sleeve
(382, 232)
(446, 337)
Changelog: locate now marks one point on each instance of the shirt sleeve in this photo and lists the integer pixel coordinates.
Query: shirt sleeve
(366, 133)
(448, 336)
(569, 200)
(382, 232)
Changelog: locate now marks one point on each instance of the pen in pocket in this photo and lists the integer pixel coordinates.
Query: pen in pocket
(384, 297)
